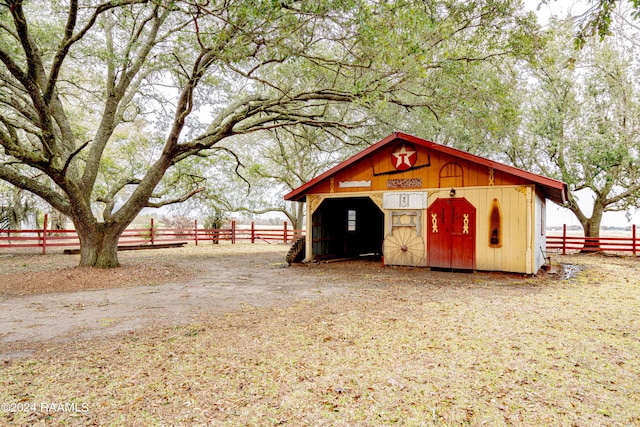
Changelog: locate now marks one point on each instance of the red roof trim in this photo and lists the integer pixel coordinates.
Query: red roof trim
(554, 189)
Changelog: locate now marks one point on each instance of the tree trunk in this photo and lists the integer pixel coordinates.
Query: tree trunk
(299, 222)
(57, 220)
(591, 227)
(99, 246)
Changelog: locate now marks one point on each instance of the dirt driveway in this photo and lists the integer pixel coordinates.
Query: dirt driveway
(46, 300)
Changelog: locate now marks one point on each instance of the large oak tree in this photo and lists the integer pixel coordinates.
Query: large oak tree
(581, 122)
(100, 102)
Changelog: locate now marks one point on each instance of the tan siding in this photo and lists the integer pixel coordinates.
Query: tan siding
(485, 256)
(512, 255)
(517, 234)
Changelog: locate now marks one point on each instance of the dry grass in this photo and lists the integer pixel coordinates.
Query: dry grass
(412, 351)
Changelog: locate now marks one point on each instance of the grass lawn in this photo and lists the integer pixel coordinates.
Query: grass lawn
(415, 352)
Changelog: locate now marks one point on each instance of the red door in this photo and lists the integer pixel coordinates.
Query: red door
(451, 225)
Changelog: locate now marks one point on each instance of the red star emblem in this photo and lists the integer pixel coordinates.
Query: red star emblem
(404, 156)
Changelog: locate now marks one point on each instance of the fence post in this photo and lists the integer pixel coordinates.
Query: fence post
(195, 226)
(233, 232)
(44, 234)
(286, 232)
(564, 239)
(634, 240)
(253, 232)
(151, 231)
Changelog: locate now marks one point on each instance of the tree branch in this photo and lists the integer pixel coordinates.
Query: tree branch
(72, 155)
(34, 186)
(176, 200)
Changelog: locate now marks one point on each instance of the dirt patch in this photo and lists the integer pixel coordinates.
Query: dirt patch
(44, 300)
(30, 273)
(74, 279)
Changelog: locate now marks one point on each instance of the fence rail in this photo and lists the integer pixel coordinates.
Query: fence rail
(566, 243)
(46, 238)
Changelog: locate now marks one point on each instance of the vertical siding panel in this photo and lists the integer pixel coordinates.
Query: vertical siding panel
(502, 254)
(427, 180)
(492, 253)
(497, 178)
(483, 175)
(518, 230)
(520, 204)
(484, 254)
(476, 178)
(470, 175)
(511, 226)
(435, 170)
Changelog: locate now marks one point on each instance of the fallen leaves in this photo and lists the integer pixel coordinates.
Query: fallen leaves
(390, 352)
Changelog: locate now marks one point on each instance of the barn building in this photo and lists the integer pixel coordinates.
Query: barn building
(418, 203)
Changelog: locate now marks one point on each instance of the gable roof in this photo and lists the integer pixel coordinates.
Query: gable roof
(553, 189)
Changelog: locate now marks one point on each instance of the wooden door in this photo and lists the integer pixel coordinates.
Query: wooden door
(452, 234)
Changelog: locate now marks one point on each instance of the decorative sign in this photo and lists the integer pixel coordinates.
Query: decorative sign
(404, 183)
(465, 227)
(354, 184)
(404, 156)
(408, 200)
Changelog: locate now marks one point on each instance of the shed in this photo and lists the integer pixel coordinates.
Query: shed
(419, 203)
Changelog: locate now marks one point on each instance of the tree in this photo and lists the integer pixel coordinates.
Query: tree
(583, 123)
(108, 99)
(283, 159)
(15, 207)
(597, 21)
(471, 104)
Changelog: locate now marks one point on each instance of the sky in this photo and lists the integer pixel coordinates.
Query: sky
(557, 215)
(555, 7)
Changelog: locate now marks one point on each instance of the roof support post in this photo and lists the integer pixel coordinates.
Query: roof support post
(530, 230)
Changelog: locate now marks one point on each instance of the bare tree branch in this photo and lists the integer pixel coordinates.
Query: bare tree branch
(176, 200)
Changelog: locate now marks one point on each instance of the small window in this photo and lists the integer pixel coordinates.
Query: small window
(451, 175)
(351, 220)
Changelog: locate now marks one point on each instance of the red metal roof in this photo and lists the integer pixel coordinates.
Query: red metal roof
(553, 189)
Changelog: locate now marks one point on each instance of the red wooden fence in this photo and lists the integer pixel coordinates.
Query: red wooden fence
(566, 243)
(46, 238)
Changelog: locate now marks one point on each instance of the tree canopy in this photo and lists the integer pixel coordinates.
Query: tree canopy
(100, 102)
(581, 122)
(598, 19)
